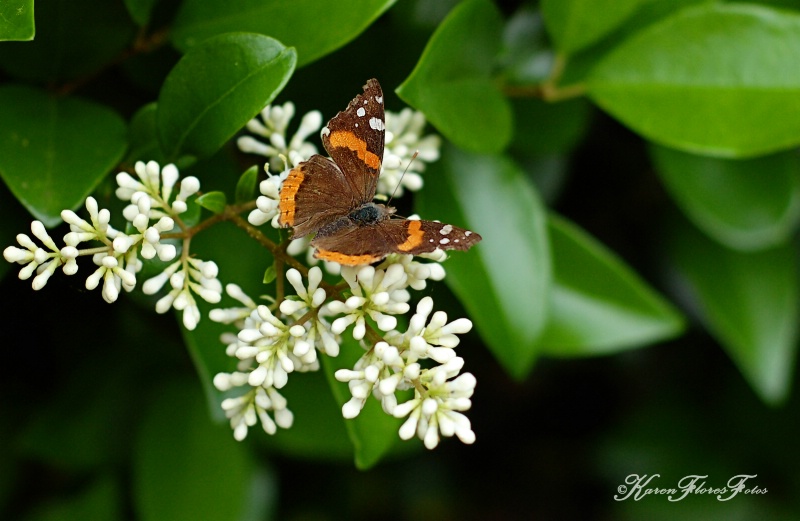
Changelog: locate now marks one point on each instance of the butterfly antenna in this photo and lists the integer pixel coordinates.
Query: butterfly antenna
(399, 181)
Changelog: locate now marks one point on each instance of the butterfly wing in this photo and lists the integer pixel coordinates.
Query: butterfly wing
(354, 138)
(314, 194)
(353, 245)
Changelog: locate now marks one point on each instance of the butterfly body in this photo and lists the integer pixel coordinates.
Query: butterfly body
(333, 198)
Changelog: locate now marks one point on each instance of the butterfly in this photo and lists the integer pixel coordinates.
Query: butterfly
(334, 198)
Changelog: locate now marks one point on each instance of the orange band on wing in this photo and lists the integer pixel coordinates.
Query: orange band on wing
(288, 193)
(346, 139)
(415, 234)
(341, 258)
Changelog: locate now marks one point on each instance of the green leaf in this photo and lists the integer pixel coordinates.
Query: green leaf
(54, 151)
(246, 186)
(575, 24)
(504, 281)
(74, 38)
(744, 204)
(185, 467)
(711, 79)
(749, 302)
(16, 20)
(269, 274)
(598, 304)
(143, 138)
(140, 10)
(314, 27)
(217, 87)
(214, 201)
(452, 81)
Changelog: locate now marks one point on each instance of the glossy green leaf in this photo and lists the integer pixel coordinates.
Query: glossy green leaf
(16, 20)
(745, 204)
(749, 302)
(711, 79)
(269, 274)
(575, 24)
(314, 27)
(452, 82)
(186, 467)
(143, 137)
(214, 201)
(373, 432)
(54, 151)
(246, 186)
(598, 304)
(74, 38)
(217, 87)
(140, 10)
(504, 281)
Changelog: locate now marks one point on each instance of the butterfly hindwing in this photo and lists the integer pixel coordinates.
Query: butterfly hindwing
(354, 138)
(355, 244)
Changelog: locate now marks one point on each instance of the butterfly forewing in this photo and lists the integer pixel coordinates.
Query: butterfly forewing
(354, 138)
(314, 194)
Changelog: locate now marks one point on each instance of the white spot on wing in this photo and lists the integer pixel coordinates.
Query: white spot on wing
(447, 228)
(379, 99)
(376, 124)
(444, 241)
(467, 233)
(325, 131)
(361, 112)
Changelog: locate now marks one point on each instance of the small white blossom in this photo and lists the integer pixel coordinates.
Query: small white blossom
(317, 331)
(418, 273)
(186, 277)
(267, 203)
(114, 275)
(434, 339)
(234, 315)
(378, 294)
(82, 231)
(155, 184)
(272, 126)
(379, 372)
(439, 410)
(254, 405)
(403, 139)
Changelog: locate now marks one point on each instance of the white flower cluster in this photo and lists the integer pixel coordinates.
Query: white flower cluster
(394, 365)
(270, 347)
(153, 210)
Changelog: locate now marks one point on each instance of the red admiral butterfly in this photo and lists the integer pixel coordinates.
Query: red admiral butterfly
(334, 198)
